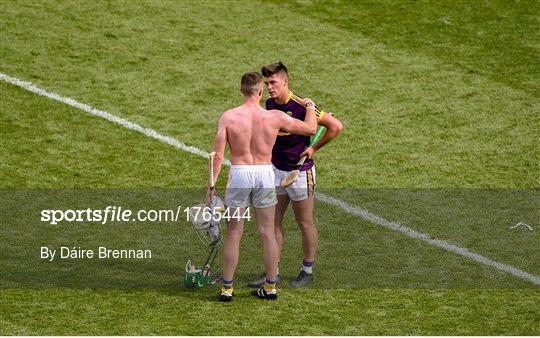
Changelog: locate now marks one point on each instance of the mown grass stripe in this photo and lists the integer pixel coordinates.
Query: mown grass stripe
(364, 214)
(368, 216)
(103, 114)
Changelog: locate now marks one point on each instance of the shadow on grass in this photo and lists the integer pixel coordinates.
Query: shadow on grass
(353, 252)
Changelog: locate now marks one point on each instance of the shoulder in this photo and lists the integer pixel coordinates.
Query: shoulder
(297, 100)
(269, 113)
(275, 112)
(295, 103)
(228, 115)
(278, 114)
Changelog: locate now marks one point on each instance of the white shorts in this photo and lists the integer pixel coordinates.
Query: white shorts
(301, 189)
(250, 185)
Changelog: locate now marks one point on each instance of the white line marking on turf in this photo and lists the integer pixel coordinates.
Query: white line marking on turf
(103, 114)
(520, 223)
(364, 214)
(368, 216)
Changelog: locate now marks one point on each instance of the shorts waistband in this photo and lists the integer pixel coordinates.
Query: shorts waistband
(252, 167)
(288, 171)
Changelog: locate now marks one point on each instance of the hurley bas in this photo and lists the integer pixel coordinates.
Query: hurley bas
(102, 253)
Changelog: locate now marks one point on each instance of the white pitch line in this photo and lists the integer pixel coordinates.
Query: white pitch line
(368, 216)
(108, 116)
(362, 213)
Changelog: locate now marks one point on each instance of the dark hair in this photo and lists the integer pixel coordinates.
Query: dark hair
(274, 68)
(249, 85)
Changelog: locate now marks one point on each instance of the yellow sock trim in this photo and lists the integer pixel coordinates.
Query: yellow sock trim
(269, 286)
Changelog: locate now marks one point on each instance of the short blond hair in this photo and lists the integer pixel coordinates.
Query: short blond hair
(250, 83)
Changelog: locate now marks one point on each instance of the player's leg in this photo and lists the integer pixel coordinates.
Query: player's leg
(303, 202)
(236, 199)
(231, 254)
(264, 202)
(281, 207)
(265, 227)
(231, 247)
(303, 213)
(282, 204)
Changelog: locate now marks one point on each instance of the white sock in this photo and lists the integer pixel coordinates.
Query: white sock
(308, 269)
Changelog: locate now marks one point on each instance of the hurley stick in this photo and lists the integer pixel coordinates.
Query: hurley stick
(293, 175)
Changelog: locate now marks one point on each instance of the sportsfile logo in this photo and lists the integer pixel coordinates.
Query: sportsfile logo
(109, 214)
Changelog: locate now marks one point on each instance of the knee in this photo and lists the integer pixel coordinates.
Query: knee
(267, 234)
(306, 225)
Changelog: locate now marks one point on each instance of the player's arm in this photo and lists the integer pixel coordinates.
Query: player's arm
(333, 128)
(220, 142)
(308, 127)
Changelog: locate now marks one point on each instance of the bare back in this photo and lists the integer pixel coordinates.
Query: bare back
(251, 133)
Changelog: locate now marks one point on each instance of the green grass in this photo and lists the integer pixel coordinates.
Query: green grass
(39, 152)
(438, 101)
(427, 121)
(343, 312)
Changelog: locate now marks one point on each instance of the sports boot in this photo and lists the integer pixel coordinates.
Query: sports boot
(226, 295)
(302, 279)
(263, 294)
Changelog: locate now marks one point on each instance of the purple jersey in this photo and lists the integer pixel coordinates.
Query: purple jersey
(288, 147)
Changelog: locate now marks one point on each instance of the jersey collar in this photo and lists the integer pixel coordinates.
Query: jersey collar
(289, 97)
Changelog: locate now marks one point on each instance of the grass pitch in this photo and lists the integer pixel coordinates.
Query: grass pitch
(438, 101)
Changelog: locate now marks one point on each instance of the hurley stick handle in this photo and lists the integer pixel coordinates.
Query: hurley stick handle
(317, 136)
(314, 140)
(211, 169)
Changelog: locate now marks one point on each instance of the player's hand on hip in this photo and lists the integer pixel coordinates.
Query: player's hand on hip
(309, 151)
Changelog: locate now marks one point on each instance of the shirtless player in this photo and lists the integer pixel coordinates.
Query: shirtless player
(251, 131)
